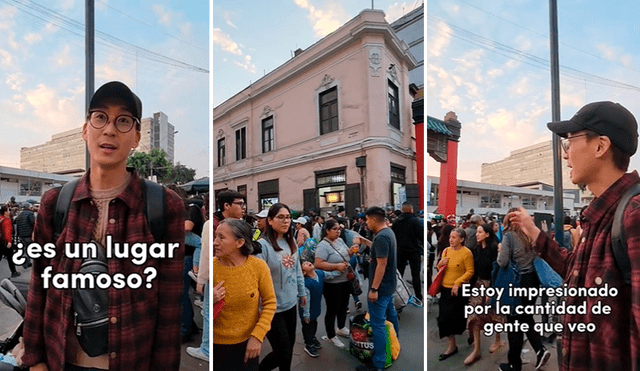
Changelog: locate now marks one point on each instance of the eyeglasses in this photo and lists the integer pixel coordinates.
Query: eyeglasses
(123, 123)
(282, 218)
(565, 141)
(241, 203)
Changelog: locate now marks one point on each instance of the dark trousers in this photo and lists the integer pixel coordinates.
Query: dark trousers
(336, 295)
(231, 358)
(414, 259)
(516, 339)
(8, 253)
(309, 331)
(187, 308)
(282, 337)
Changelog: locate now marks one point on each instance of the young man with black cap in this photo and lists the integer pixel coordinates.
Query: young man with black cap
(143, 330)
(598, 143)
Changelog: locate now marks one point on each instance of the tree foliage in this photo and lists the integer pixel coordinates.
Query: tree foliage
(156, 163)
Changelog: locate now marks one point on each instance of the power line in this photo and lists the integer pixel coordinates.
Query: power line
(125, 48)
(521, 56)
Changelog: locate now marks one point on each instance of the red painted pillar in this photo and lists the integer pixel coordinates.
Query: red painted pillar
(448, 192)
(419, 128)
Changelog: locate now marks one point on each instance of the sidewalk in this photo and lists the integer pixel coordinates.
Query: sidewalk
(488, 362)
(331, 358)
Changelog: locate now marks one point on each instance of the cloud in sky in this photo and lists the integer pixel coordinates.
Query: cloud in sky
(53, 108)
(246, 64)
(397, 10)
(224, 41)
(165, 16)
(227, 20)
(325, 19)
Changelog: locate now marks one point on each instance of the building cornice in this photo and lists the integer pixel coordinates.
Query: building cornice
(223, 175)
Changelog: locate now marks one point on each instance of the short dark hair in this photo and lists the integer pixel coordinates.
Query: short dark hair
(328, 226)
(461, 233)
(621, 160)
(3, 209)
(227, 197)
(272, 236)
(376, 212)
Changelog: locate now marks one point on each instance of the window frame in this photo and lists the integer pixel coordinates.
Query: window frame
(222, 157)
(263, 129)
(393, 117)
(335, 102)
(241, 143)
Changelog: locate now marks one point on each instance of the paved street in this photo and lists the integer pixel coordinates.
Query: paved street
(187, 363)
(488, 362)
(331, 358)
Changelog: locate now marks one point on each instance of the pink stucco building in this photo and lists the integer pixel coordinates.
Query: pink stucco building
(330, 127)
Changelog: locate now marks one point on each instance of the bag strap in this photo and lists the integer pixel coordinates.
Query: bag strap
(618, 238)
(330, 244)
(153, 195)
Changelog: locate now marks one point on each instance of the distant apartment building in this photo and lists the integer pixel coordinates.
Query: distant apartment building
(157, 132)
(410, 29)
(65, 153)
(532, 164)
(330, 127)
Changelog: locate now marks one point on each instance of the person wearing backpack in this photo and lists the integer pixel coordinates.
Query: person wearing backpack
(6, 231)
(143, 326)
(598, 143)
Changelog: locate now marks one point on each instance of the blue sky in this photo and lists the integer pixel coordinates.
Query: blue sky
(489, 63)
(250, 41)
(42, 68)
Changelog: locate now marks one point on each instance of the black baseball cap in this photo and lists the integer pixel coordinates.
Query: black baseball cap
(605, 118)
(116, 90)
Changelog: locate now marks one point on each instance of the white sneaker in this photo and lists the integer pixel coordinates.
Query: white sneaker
(193, 275)
(344, 332)
(197, 353)
(335, 341)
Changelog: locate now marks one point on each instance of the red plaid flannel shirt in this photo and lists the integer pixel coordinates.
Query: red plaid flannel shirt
(144, 326)
(615, 344)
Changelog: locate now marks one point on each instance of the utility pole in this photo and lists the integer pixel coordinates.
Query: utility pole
(555, 116)
(89, 61)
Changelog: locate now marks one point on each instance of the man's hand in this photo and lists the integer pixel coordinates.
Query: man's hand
(218, 292)
(253, 348)
(200, 288)
(303, 300)
(521, 218)
(373, 296)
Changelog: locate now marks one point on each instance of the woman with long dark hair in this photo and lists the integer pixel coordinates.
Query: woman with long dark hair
(459, 262)
(332, 254)
(280, 253)
(485, 253)
(516, 246)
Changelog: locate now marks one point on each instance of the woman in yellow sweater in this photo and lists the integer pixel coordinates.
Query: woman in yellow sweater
(244, 282)
(459, 262)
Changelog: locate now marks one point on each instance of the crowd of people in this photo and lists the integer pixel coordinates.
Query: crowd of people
(264, 279)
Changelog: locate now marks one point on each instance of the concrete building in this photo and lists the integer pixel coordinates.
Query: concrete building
(526, 165)
(330, 127)
(63, 154)
(484, 198)
(157, 132)
(410, 29)
(26, 185)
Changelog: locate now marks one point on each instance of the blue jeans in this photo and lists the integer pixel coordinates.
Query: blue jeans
(205, 322)
(381, 310)
(187, 308)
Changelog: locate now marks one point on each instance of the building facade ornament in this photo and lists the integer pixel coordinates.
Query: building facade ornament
(266, 111)
(326, 81)
(393, 72)
(375, 61)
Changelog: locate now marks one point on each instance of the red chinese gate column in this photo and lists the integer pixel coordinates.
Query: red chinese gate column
(448, 190)
(419, 129)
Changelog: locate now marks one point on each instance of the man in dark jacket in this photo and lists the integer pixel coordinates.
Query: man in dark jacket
(410, 238)
(24, 229)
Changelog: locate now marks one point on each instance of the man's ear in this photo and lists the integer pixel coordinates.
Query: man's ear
(84, 132)
(604, 145)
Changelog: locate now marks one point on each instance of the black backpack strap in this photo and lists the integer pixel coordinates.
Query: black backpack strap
(62, 207)
(154, 208)
(618, 238)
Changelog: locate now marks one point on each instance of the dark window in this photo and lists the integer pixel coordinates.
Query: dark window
(242, 189)
(329, 111)
(394, 109)
(267, 134)
(221, 153)
(241, 144)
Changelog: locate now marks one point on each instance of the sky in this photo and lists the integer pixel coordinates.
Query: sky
(159, 48)
(489, 63)
(251, 41)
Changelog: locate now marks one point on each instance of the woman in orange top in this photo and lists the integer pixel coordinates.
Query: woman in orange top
(459, 262)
